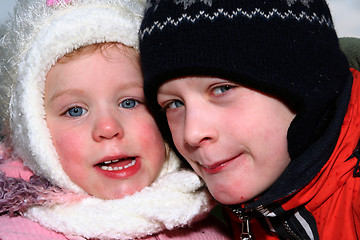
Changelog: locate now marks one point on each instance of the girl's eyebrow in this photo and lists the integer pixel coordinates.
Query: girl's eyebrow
(125, 86)
(65, 92)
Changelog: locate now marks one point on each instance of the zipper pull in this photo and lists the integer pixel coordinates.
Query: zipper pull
(245, 224)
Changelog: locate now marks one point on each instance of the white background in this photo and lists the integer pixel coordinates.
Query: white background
(346, 15)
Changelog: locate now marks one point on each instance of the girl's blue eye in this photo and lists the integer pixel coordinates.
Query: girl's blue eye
(175, 104)
(128, 103)
(222, 89)
(76, 111)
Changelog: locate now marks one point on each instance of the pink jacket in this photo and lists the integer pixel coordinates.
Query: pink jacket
(19, 228)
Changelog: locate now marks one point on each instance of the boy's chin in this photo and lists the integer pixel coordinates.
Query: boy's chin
(228, 199)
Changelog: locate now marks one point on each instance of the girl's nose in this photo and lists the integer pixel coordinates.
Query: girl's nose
(107, 127)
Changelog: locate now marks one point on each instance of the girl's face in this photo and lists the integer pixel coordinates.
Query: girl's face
(107, 141)
(235, 138)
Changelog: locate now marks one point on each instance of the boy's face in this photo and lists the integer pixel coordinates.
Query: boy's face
(107, 141)
(235, 138)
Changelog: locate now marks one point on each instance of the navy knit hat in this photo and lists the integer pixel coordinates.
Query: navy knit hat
(286, 48)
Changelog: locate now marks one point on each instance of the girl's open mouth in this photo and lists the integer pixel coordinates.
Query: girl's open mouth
(117, 164)
(119, 168)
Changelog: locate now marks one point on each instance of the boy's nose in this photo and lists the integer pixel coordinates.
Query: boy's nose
(107, 127)
(199, 129)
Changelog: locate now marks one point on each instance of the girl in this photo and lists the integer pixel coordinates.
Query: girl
(82, 157)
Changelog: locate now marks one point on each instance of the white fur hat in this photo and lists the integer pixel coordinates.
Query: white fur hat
(36, 36)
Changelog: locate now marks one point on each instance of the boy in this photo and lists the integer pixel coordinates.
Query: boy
(260, 101)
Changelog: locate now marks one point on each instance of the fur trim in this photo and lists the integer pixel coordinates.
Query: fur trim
(35, 38)
(175, 199)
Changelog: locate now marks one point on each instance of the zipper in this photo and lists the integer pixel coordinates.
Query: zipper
(289, 231)
(267, 213)
(245, 224)
(285, 224)
(245, 218)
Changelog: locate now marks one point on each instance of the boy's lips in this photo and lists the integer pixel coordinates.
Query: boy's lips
(218, 166)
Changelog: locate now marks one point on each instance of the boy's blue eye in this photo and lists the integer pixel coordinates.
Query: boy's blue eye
(222, 89)
(175, 104)
(128, 103)
(76, 111)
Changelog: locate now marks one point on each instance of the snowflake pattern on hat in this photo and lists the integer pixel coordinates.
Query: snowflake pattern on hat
(187, 3)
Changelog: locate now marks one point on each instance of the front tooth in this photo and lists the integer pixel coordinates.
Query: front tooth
(111, 161)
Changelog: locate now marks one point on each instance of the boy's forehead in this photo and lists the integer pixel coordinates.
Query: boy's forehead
(187, 82)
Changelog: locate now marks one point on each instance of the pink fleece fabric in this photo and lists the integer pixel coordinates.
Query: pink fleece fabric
(19, 228)
(16, 169)
(16, 228)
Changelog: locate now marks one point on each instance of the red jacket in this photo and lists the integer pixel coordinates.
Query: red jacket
(333, 196)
